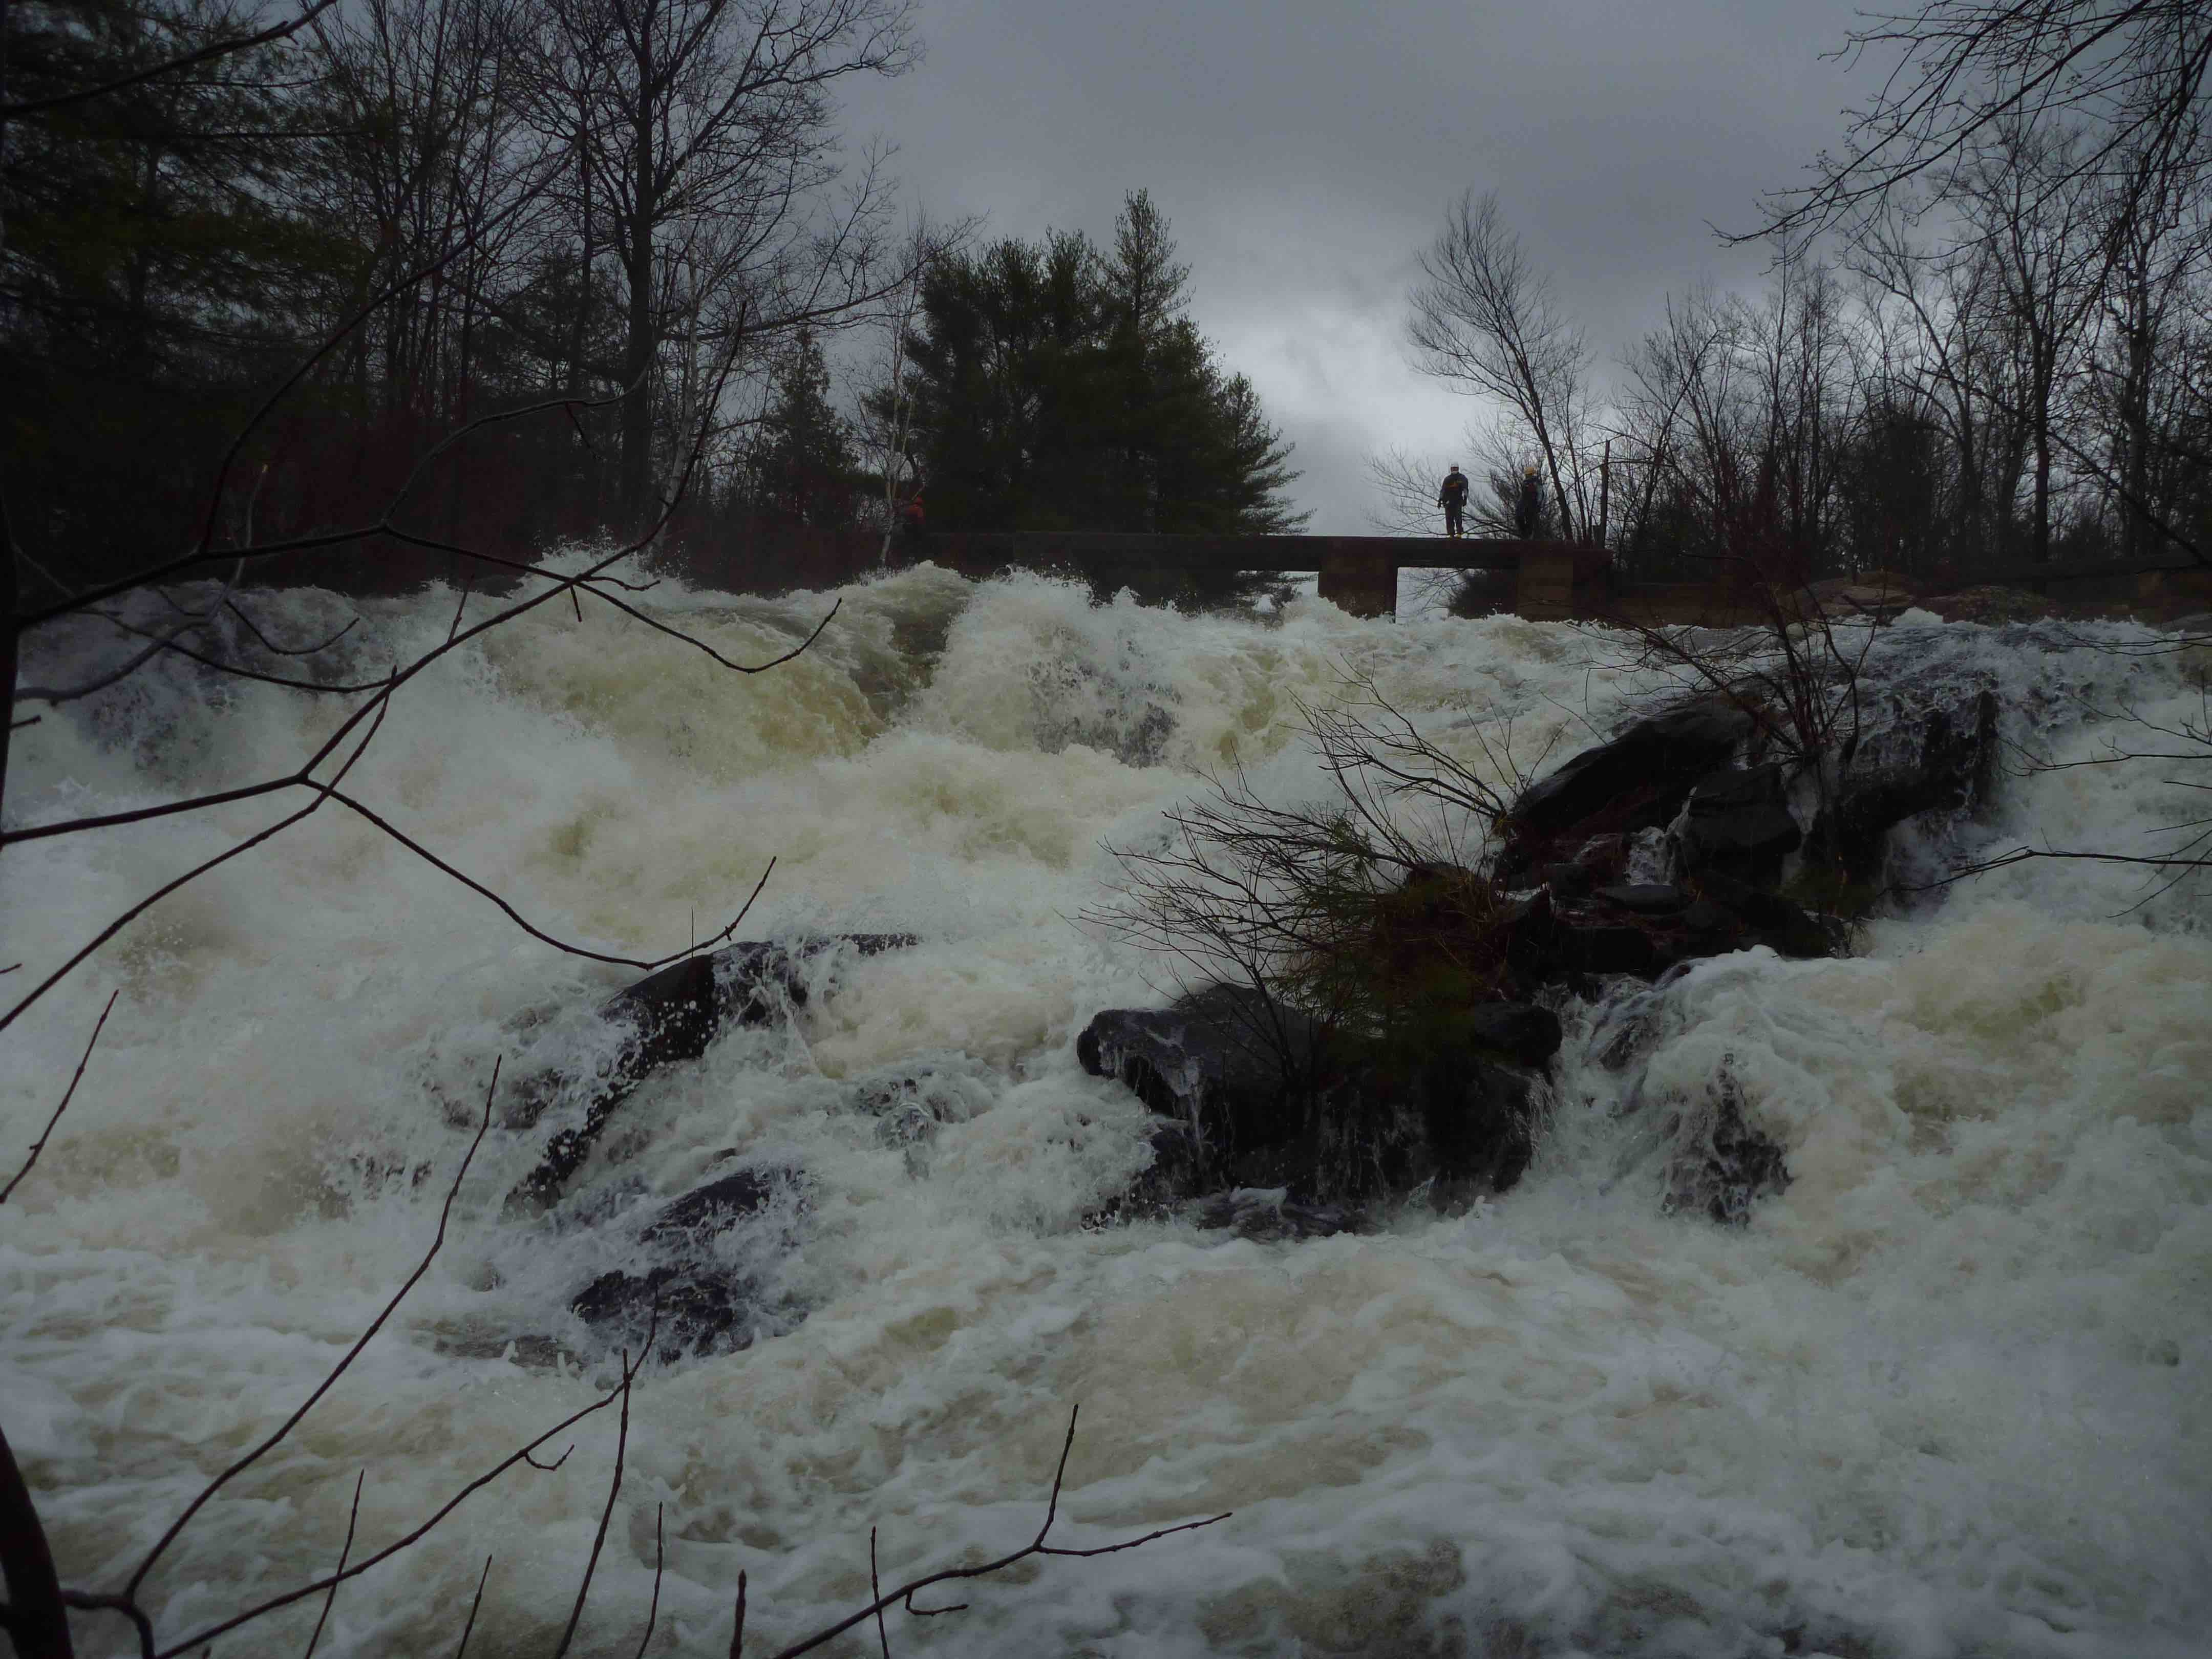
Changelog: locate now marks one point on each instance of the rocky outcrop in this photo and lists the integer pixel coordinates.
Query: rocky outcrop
(665, 1018)
(1634, 859)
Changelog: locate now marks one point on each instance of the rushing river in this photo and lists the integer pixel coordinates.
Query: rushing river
(1950, 1395)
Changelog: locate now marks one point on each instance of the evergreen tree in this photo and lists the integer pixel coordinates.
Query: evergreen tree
(1058, 387)
(800, 467)
(156, 264)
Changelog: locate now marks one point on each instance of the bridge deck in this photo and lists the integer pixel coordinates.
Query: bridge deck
(1360, 572)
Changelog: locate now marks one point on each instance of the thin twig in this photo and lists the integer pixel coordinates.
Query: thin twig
(118, 923)
(39, 1145)
(189, 60)
(875, 1589)
(660, 1558)
(905, 1593)
(408, 1540)
(275, 650)
(461, 1652)
(614, 1486)
(122, 1604)
(344, 1550)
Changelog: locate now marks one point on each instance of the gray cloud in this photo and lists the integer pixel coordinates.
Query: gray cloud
(1305, 152)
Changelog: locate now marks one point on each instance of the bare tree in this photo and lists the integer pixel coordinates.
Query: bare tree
(887, 409)
(2025, 198)
(1487, 323)
(2131, 73)
(691, 111)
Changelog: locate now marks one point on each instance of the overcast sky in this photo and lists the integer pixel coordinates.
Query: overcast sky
(1304, 153)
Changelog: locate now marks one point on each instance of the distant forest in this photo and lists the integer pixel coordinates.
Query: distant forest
(422, 276)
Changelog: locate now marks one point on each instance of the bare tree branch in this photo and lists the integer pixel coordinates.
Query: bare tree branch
(68, 1095)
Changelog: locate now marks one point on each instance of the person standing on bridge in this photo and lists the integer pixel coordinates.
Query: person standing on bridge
(1528, 510)
(1453, 498)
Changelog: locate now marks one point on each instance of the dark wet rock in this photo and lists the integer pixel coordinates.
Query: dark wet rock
(1712, 1160)
(1722, 1166)
(910, 1102)
(1226, 1061)
(1537, 949)
(1245, 1107)
(1704, 918)
(1269, 1215)
(1768, 918)
(1548, 944)
(1638, 780)
(1612, 947)
(1480, 1119)
(1739, 821)
(705, 1262)
(1648, 898)
(1566, 879)
(1374, 1131)
(667, 1018)
(1914, 755)
(1527, 1034)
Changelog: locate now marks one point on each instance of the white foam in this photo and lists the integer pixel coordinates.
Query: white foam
(1945, 1395)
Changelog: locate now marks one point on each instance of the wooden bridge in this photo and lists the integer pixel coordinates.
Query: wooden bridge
(1552, 580)
(1359, 573)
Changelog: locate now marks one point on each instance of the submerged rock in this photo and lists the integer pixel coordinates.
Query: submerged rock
(668, 1016)
(1269, 1214)
(705, 1262)
(1719, 1164)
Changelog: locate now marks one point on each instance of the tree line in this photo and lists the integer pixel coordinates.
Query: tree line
(2004, 362)
(544, 261)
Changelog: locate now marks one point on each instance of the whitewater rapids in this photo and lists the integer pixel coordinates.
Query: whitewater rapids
(1951, 1395)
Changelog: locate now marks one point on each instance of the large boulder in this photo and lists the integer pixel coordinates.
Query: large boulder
(1229, 1064)
(666, 1018)
(1250, 1098)
(1639, 779)
(1739, 821)
(1915, 754)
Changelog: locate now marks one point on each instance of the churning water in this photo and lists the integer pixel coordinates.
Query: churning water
(1946, 1395)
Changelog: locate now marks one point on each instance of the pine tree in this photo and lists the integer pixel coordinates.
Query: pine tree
(157, 261)
(800, 467)
(1058, 387)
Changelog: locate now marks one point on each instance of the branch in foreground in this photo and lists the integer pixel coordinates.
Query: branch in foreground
(904, 1594)
(69, 1094)
(330, 1380)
